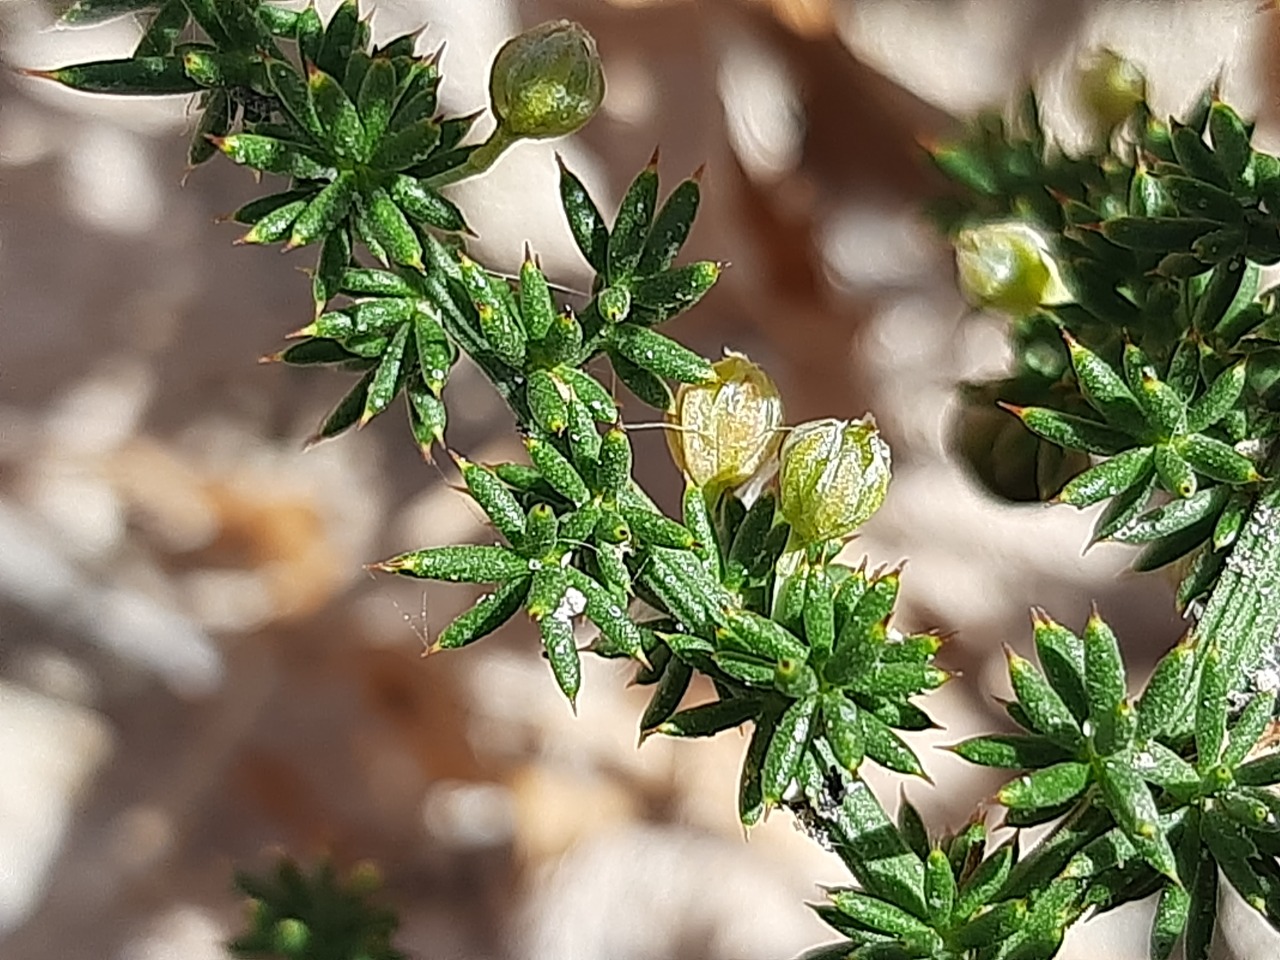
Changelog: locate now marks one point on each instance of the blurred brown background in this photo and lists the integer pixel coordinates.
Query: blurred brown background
(195, 671)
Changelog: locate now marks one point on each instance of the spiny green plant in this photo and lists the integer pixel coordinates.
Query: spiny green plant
(315, 916)
(1141, 343)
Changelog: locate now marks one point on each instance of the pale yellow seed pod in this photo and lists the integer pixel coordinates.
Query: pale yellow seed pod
(1111, 87)
(724, 432)
(834, 475)
(1008, 267)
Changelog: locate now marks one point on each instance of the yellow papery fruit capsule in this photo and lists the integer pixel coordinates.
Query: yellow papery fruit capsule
(546, 82)
(1111, 87)
(834, 476)
(1008, 267)
(726, 430)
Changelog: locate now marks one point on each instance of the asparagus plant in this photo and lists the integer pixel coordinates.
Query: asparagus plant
(1146, 362)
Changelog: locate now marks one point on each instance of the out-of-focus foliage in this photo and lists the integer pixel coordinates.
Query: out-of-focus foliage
(1156, 358)
(318, 916)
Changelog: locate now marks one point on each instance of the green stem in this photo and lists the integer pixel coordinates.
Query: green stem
(1243, 611)
(854, 824)
(1034, 872)
(480, 159)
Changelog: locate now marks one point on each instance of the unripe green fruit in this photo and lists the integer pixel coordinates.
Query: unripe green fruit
(1111, 87)
(834, 476)
(546, 82)
(1008, 267)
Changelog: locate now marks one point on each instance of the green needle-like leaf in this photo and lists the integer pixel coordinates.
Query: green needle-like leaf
(1211, 708)
(1103, 387)
(1173, 517)
(1203, 909)
(376, 100)
(1216, 460)
(985, 882)
(711, 718)
(1249, 728)
(1173, 907)
(659, 355)
(631, 229)
(562, 652)
(386, 382)
(1129, 800)
(1072, 432)
(469, 564)
(886, 748)
(495, 499)
(1043, 706)
(1062, 656)
(843, 730)
(1049, 787)
(667, 695)
(761, 636)
(487, 614)
(1174, 472)
(1221, 396)
(1112, 477)
(1012, 751)
(670, 228)
(1105, 683)
(1168, 693)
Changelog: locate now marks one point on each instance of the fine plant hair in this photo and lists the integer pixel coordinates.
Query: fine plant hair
(1146, 364)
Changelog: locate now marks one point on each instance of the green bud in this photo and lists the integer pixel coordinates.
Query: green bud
(1111, 87)
(834, 476)
(546, 82)
(723, 432)
(614, 303)
(1008, 267)
(291, 935)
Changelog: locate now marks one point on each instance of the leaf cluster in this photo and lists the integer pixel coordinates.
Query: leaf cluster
(1171, 789)
(404, 327)
(1162, 365)
(295, 915)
